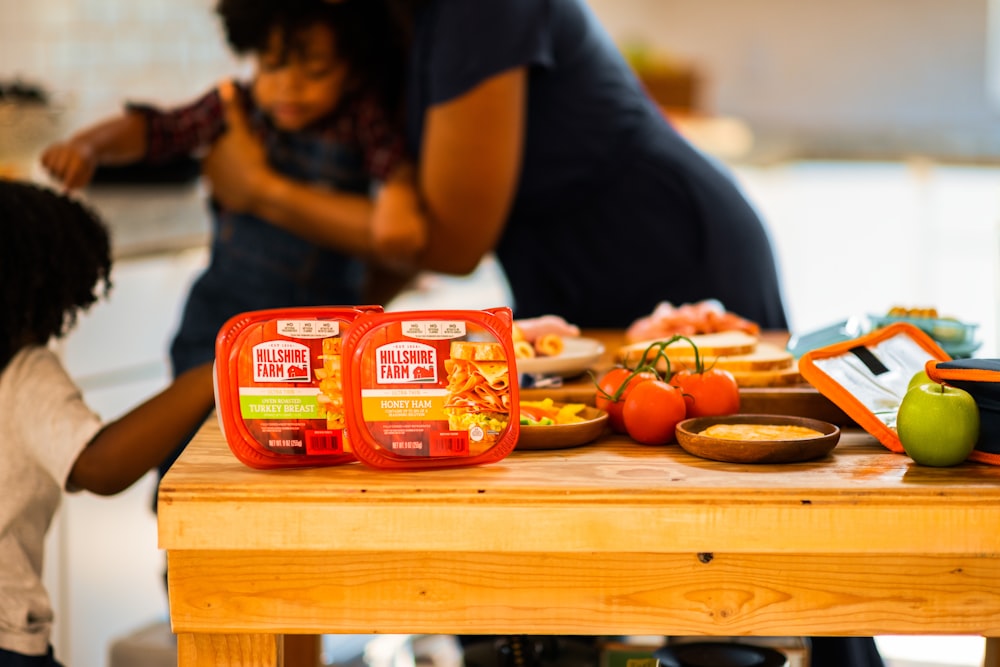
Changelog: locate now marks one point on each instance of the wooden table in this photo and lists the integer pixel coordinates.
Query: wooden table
(611, 538)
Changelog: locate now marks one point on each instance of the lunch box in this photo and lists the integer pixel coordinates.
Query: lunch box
(868, 376)
(431, 389)
(981, 378)
(279, 385)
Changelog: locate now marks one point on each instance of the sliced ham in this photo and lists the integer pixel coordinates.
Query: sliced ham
(688, 319)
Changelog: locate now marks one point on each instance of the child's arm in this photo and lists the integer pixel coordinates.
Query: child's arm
(140, 133)
(127, 448)
(118, 140)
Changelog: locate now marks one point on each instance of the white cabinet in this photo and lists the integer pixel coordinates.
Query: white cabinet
(128, 335)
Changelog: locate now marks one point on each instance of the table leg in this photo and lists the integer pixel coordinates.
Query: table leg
(303, 651)
(991, 657)
(223, 650)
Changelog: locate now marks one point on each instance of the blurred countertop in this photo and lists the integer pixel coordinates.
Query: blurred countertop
(151, 219)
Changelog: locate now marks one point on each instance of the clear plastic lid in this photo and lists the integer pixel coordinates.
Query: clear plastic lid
(431, 389)
(279, 386)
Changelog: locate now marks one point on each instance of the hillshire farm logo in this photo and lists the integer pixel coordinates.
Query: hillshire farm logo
(406, 362)
(281, 361)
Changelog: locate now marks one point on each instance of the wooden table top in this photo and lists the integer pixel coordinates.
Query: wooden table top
(601, 496)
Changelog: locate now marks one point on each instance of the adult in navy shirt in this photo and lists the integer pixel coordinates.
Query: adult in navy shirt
(535, 140)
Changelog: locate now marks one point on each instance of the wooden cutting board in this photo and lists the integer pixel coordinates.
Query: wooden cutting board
(780, 377)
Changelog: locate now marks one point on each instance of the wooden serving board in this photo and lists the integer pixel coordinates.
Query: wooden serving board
(775, 377)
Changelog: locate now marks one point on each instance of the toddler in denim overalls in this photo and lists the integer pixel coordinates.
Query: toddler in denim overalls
(321, 104)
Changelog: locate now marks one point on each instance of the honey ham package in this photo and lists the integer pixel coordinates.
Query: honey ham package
(431, 388)
(279, 386)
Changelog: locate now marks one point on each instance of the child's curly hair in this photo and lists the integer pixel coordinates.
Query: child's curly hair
(55, 260)
(366, 34)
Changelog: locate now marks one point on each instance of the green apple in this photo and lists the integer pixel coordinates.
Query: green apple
(919, 378)
(938, 425)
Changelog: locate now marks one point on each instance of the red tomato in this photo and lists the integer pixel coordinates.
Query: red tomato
(711, 393)
(608, 387)
(652, 411)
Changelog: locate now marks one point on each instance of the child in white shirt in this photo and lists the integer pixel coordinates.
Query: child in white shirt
(55, 263)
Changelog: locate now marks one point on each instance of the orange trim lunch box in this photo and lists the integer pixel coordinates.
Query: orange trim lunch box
(867, 376)
(431, 389)
(279, 385)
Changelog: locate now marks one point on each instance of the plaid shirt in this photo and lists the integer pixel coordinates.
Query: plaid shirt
(347, 149)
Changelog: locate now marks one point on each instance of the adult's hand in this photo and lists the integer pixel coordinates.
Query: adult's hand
(236, 166)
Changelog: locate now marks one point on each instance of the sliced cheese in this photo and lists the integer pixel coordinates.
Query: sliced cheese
(494, 372)
(477, 351)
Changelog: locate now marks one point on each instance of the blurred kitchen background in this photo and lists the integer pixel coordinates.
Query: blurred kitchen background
(865, 132)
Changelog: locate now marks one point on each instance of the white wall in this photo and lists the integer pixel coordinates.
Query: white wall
(833, 77)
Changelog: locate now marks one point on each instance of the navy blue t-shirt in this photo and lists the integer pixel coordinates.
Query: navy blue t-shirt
(614, 211)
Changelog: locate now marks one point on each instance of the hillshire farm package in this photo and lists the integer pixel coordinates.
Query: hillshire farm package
(431, 388)
(330, 385)
(279, 389)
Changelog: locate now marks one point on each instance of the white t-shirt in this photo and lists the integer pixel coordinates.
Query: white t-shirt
(44, 425)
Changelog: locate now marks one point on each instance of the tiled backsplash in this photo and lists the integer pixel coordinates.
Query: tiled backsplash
(92, 54)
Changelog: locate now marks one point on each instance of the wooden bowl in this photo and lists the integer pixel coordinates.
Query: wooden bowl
(562, 436)
(690, 438)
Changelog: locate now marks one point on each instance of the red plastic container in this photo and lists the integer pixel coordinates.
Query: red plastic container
(279, 386)
(431, 389)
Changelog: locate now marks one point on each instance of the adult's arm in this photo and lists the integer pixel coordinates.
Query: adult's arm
(469, 169)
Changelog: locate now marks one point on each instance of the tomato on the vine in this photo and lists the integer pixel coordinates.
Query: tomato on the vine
(652, 411)
(611, 400)
(711, 393)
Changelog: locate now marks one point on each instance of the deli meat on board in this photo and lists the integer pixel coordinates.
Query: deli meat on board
(688, 319)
